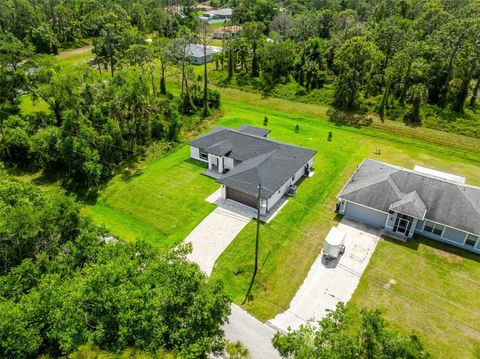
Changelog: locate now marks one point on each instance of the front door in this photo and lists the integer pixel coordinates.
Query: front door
(403, 224)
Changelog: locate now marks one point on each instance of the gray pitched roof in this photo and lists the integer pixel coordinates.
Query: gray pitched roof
(197, 50)
(221, 148)
(411, 204)
(263, 161)
(381, 186)
(252, 130)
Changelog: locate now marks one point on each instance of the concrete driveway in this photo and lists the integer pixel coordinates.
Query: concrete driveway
(329, 283)
(213, 235)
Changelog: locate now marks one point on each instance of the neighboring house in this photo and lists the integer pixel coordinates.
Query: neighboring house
(226, 32)
(427, 202)
(218, 14)
(196, 55)
(243, 159)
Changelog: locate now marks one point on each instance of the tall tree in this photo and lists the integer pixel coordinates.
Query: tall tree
(253, 33)
(205, 39)
(357, 63)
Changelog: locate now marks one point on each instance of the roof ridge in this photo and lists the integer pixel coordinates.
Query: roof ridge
(468, 200)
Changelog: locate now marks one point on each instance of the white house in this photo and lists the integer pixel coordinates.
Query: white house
(427, 202)
(244, 159)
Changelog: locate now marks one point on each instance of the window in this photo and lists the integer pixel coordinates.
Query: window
(434, 228)
(438, 230)
(471, 240)
(203, 155)
(293, 178)
(429, 227)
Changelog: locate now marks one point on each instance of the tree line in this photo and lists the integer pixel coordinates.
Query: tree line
(389, 57)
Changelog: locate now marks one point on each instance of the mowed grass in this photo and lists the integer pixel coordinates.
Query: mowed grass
(161, 205)
(429, 288)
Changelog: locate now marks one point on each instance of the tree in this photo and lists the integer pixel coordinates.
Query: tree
(165, 53)
(253, 33)
(337, 337)
(357, 64)
(205, 38)
(416, 94)
(114, 39)
(276, 60)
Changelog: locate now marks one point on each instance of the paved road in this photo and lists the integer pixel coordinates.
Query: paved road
(329, 283)
(255, 335)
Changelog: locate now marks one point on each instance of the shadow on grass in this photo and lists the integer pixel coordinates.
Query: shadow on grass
(417, 240)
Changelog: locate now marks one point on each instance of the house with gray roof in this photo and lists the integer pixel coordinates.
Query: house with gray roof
(243, 159)
(196, 55)
(422, 201)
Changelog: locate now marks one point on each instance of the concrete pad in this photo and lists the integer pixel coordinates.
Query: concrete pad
(255, 335)
(328, 283)
(216, 198)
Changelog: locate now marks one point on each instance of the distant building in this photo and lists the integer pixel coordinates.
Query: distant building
(226, 31)
(204, 6)
(218, 14)
(196, 55)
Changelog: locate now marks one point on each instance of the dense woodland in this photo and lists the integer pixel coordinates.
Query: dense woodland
(65, 283)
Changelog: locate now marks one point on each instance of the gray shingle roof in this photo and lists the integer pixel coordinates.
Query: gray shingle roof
(411, 204)
(263, 161)
(381, 186)
(252, 130)
(220, 149)
(197, 50)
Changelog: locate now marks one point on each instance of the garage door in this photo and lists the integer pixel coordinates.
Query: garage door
(241, 197)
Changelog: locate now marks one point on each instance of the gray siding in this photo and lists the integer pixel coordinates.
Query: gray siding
(454, 235)
(365, 215)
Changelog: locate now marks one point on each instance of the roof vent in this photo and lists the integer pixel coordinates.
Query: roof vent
(439, 174)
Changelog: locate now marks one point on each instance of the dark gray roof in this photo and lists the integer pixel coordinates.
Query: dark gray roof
(252, 130)
(263, 161)
(381, 186)
(220, 149)
(411, 204)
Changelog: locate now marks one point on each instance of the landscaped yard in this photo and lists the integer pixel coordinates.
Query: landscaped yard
(161, 205)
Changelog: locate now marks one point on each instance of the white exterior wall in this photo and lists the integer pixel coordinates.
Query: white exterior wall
(366, 215)
(223, 191)
(228, 163)
(195, 154)
(280, 192)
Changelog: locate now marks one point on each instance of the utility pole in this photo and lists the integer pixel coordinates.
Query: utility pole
(257, 239)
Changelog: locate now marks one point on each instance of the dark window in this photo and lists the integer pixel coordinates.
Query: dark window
(203, 155)
(471, 240)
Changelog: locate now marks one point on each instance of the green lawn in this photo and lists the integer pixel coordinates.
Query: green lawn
(161, 205)
(426, 287)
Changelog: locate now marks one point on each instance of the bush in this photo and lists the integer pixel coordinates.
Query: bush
(213, 98)
(350, 119)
